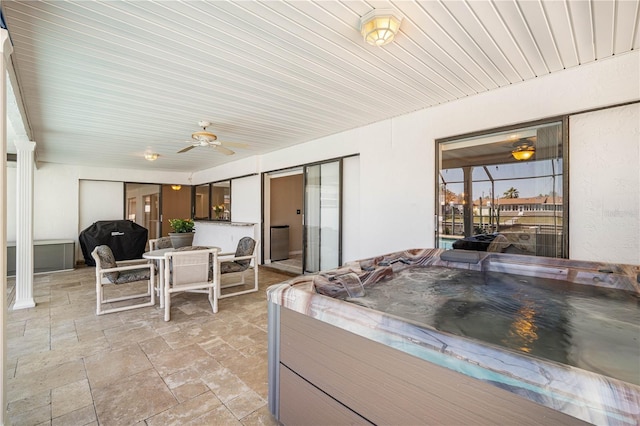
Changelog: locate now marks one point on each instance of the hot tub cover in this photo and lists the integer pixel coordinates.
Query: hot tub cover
(126, 239)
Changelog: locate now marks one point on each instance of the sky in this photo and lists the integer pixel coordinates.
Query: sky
(530, 179)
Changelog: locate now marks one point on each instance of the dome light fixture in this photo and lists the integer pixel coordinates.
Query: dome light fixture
(379, 27)
(176, 187)
(151, 156)
(523, 150)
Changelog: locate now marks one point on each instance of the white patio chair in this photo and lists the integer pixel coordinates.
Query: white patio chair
(109, 272)
(239, 263)
(192, 270)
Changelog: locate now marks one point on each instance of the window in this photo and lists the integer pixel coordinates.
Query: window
(213, 201)
(201, 201)
(221, 200)
(509, 182)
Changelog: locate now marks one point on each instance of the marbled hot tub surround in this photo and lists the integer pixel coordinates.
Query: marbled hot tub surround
(589, 396)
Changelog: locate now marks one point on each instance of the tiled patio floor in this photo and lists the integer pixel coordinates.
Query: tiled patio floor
(67, 366)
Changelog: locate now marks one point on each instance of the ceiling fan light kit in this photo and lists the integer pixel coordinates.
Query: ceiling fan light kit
(203, 135)
(207, 139)
(379, 26)
(151, 156)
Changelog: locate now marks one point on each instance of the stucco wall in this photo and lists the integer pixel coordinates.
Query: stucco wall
(604, 207)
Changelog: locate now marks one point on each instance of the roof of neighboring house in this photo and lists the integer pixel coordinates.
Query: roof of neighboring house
(530, 200)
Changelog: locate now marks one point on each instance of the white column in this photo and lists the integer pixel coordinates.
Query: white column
(24, 224)
(6, 49)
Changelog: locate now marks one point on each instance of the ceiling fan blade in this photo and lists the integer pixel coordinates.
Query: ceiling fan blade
(225, 151)
(236, 144)
(186, 149)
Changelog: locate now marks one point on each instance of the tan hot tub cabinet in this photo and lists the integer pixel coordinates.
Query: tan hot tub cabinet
(322, 374)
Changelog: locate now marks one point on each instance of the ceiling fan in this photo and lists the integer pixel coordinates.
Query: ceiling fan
(208, 139)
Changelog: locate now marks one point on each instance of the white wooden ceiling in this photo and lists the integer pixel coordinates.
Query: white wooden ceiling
(105, 81)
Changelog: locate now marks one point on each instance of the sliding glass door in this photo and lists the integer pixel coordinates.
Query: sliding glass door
(322, 225)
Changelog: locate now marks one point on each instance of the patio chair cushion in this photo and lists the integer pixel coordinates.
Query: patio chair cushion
(246, 245)
(227, 267)
(163, 243)
(133, 275)
(107, 261)
(245, 248)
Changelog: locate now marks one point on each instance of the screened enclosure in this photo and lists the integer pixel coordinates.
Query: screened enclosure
(508, 183)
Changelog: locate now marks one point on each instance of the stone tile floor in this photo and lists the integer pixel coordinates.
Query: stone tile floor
(67, 366)
(291, 266)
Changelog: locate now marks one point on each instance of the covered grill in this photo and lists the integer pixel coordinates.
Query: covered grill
(126, 239)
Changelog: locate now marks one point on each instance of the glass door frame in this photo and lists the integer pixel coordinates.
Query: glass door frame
(158, 220)
(305, 230)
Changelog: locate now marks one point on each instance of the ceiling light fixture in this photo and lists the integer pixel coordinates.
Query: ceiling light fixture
(379, 27)
(151, 156)
(523, 151)
(176, 187)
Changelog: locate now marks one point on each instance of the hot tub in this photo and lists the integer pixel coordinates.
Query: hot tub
(443, 354)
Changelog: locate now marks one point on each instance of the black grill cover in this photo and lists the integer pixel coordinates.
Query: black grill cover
(126, 239)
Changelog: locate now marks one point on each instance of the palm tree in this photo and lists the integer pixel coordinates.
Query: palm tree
(511, 193)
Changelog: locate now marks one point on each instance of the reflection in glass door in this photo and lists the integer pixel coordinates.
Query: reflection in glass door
(322, 233)
(143, 206)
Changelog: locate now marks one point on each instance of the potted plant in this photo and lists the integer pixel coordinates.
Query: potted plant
(183, 232)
